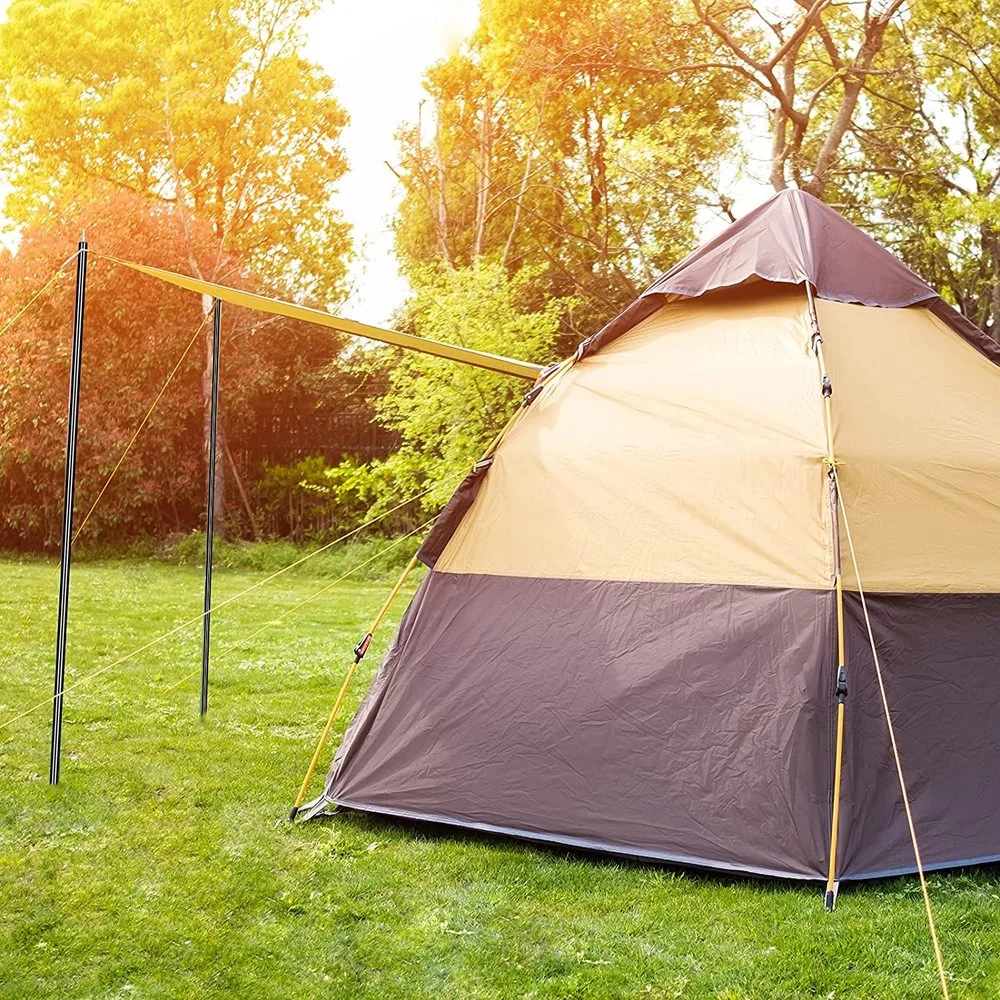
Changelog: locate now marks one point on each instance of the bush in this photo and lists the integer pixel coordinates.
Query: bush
(312, 501)
(368, 559)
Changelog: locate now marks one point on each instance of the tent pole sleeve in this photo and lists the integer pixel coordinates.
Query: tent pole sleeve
(213, 440)
(69, 489)
(826, 387)
(359, 652)
(464, 355)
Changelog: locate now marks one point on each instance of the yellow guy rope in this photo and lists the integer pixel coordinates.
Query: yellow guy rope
(142, 424)
(362, 646)
(197, 618)
(359, 653)
(241, 643)
(939, 959)
(817, 343)
(60, 273)
(107, 482)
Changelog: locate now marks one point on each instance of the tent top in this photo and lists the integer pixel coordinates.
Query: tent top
(791, 239)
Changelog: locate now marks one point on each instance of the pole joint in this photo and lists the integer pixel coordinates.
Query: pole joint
(841, 684)
(362, 647)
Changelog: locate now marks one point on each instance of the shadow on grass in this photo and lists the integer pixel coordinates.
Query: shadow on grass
(427, 831)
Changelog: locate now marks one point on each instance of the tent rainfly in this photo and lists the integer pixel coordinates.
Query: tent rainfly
(627, 639)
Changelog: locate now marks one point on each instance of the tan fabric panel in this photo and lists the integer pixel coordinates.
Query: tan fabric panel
(917, 439)
(688, 451)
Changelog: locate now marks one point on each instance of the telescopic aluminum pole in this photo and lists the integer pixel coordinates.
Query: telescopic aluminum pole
(213, 434)
(72, 428)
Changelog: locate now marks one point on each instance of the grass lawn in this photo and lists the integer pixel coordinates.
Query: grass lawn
(162, 865)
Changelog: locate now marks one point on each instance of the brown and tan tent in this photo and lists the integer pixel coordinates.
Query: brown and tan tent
(627, 639)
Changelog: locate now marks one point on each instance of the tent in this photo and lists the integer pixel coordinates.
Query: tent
(631, 633)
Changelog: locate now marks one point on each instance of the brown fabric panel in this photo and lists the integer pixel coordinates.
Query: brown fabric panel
(965, 328)
(940, 657)
(447, 522)
(794, 237)
(681, 722)
(790, 239)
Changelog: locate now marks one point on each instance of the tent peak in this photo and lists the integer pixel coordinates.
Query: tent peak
(790, 239)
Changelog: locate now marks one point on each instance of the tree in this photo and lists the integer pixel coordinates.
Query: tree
(446, 414)
(930, 160)
(590, 138)
(204, 107)
(812, 63)
(136, 331)
(550, 143)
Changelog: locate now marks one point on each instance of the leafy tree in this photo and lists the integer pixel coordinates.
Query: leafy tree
(550, 143)
(136, 330)
(204, 107)
(447, 414)
(589, 138)
(930, 160)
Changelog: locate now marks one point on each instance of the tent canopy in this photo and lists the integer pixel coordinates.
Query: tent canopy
(262, 303)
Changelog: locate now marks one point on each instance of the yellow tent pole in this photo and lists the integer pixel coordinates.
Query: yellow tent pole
(816, 340)
(831, 880)
(359, 652)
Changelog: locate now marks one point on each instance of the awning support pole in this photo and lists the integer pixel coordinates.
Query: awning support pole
(816, 342)
(69, 489)
(213, 439)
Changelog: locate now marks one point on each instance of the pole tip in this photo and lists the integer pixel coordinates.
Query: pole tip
(293, 814)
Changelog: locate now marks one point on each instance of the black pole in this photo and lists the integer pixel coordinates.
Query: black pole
(72, 428)
(213, 434)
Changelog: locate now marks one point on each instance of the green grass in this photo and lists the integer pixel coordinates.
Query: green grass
(161, 866)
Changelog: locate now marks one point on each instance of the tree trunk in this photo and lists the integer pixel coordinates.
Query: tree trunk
(244, 499)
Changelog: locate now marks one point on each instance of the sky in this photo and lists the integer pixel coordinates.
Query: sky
(376, 51)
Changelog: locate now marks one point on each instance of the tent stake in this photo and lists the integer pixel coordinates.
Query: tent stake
(213, 435)
(72, 429)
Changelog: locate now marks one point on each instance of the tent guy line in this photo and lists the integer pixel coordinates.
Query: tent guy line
(221, 604)
(60, 273)
(838, 507)
(883, 697)
(12, 643)
(241, 643)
